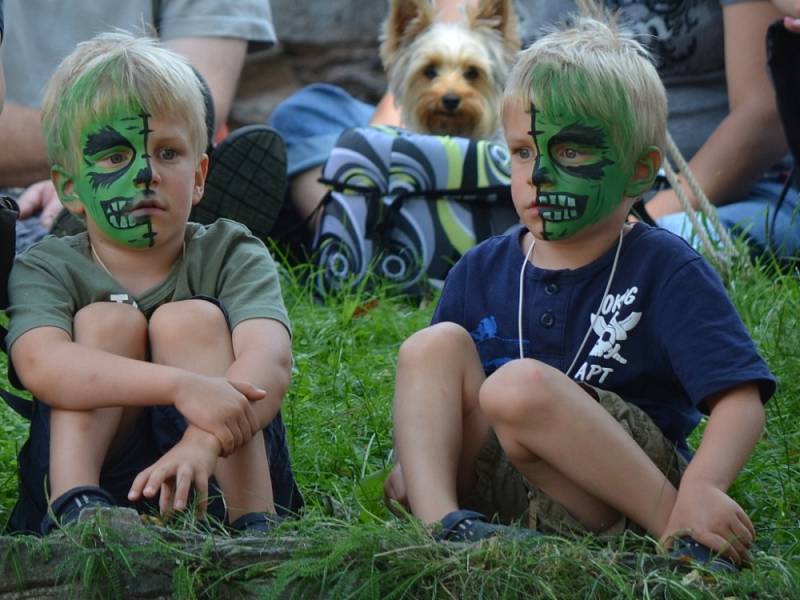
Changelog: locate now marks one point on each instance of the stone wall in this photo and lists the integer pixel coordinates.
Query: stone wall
(334, 41)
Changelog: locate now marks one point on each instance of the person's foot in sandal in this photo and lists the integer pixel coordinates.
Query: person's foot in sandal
(68, 506)
(255, 523)
(690, 552)
(471, 526)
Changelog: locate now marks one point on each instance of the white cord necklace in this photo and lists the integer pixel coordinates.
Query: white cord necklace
(100, 262)
(528, 255)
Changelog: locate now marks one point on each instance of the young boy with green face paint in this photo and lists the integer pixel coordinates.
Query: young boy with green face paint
(569, 360)
(158, 350)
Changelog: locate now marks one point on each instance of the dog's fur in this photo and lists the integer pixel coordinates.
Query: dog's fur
(448, 78)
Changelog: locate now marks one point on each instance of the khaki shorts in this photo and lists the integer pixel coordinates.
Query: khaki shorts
(502, 491)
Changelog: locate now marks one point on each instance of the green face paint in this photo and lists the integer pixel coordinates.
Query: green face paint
(114, 176)
(578, 174)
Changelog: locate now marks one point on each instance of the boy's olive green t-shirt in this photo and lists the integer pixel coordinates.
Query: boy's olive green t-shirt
(55, 278)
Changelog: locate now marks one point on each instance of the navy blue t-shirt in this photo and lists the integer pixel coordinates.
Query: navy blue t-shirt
(666, 336)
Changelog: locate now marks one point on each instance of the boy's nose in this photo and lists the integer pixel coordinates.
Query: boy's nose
(144, 177)
(540, 176)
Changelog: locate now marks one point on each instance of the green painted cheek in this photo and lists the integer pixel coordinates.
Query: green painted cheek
(571, 199)
(108, 190)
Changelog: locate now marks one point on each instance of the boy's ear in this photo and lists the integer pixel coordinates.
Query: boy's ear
(200, 179)
(65, 188)
(645, 170)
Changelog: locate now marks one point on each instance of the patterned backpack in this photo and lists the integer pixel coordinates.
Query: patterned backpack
(403, 207)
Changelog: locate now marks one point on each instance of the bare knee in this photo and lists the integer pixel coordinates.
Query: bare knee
(519, 391)
(434, 344)
(188, 322)
(113, 326)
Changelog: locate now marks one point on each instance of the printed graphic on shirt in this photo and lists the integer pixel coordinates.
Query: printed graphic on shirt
(611, 325)
(122, 299)
(668, 28)
(489, 344)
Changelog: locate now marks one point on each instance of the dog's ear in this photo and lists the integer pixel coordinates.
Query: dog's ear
(499, 15)
(406, 19)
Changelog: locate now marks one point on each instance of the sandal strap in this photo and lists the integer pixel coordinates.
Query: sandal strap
(69, 505)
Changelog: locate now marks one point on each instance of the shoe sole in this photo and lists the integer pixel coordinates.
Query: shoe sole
(246, 180)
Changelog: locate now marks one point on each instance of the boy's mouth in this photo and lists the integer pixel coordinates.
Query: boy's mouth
(118, 211)
(560, 207)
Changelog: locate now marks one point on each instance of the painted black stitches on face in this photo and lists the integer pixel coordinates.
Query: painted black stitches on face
(145, 175)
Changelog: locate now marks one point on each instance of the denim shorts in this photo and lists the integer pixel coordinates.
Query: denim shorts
(311, 120)
(502, 491)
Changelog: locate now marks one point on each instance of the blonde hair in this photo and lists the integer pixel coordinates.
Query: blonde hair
(594, 68)
(112, 71)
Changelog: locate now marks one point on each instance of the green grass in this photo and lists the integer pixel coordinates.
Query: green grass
(338, 415)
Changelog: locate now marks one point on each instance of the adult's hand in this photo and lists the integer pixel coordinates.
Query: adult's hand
(40, 197)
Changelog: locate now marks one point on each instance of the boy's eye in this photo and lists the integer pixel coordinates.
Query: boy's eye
(524, 153)
(571, 155)
(168, 154)
(115, 159)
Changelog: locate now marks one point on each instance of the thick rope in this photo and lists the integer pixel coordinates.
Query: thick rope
(704, 205)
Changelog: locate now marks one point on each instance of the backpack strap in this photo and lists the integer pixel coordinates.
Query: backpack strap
(20, 405)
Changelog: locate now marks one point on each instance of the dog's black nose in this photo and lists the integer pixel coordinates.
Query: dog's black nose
(451, 101)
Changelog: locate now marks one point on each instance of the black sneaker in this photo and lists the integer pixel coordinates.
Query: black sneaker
(69, 505)
(690, 552)
(258, 523)
(246, 180)
(471, 526)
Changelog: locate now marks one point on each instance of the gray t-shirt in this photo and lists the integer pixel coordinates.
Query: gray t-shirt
(54, 279)
(686, 39)
(42, 32)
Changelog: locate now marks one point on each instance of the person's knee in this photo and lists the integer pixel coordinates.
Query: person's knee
(195, 321)
(99, 323)
(517, 390)
(435, 343)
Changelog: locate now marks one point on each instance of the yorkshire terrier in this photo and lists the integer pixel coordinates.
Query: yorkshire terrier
(448, 77)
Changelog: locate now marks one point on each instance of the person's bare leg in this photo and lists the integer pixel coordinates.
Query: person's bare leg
(439, 428)
(307, 194)
(81, 440)
(568, 446)
(193, 335)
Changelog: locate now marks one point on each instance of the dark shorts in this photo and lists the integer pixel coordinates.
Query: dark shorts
(158, 430)
(502, 490)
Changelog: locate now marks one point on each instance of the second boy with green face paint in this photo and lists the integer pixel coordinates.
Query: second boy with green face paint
(563, 372)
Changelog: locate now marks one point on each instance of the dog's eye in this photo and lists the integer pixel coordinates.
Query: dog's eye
(430, 72)
(471, 74)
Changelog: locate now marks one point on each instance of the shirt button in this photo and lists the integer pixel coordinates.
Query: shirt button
(547, 319)
(551, 289)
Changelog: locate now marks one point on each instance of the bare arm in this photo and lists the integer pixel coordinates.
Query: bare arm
(220, 62)
(23, 156)
(263, 357)
(703, 507)
(750, 139)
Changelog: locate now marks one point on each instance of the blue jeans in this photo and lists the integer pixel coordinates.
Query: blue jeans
(753, 219)
(311, 120)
